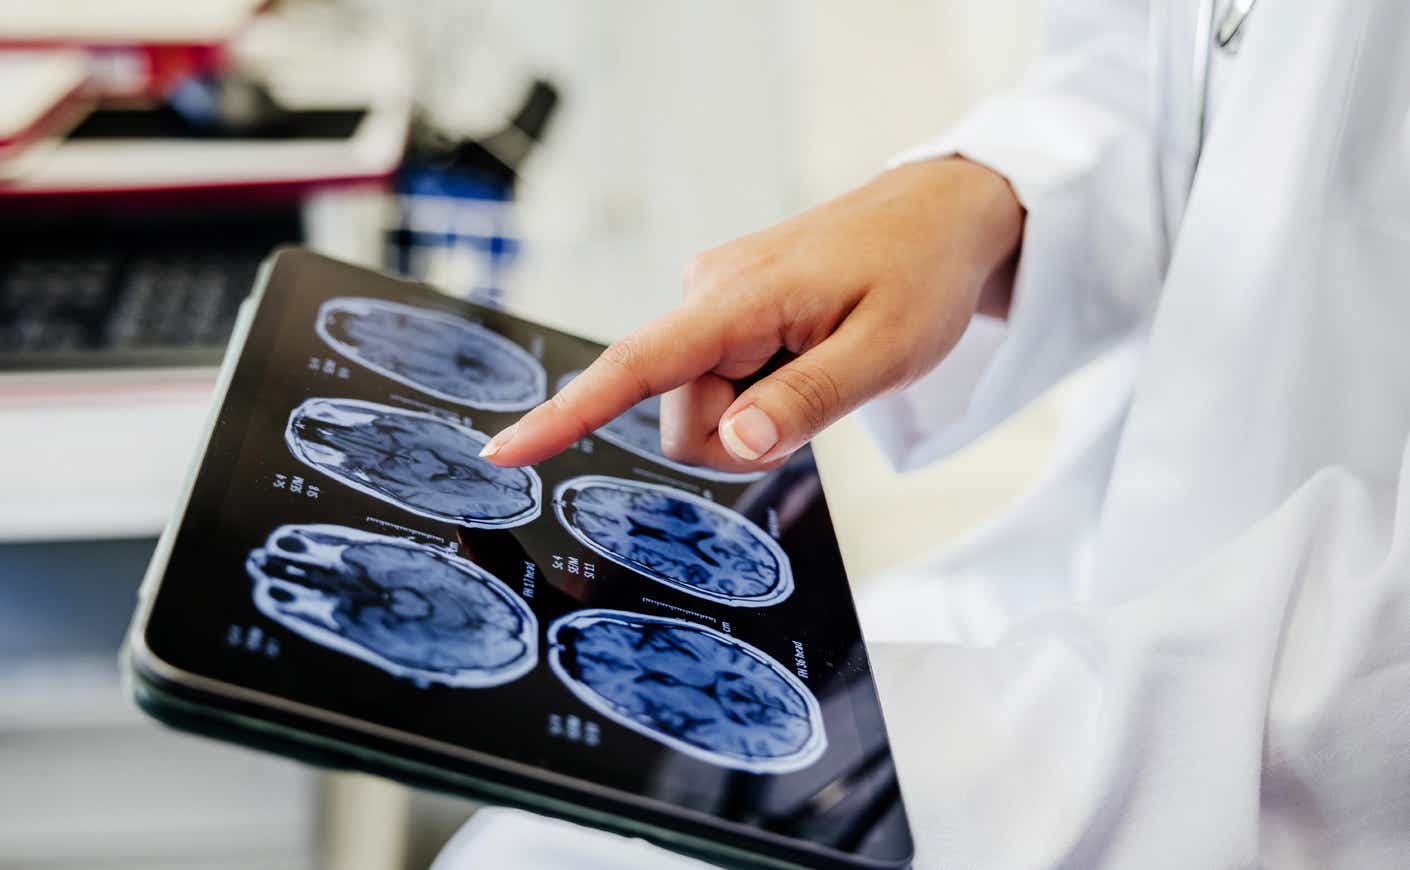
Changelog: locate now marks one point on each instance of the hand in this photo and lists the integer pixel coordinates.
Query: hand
(866, 293)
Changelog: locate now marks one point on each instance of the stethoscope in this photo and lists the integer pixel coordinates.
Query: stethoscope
(1226, 37)
(1174, 172)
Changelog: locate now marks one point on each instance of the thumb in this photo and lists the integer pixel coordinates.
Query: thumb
(781, 412)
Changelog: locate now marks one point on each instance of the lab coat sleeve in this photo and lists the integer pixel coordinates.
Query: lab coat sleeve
(1077, 145)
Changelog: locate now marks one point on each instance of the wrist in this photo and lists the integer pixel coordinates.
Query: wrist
(1004, 219)
(981, 219)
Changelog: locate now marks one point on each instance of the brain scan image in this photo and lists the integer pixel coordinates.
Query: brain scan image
(418, 462)
(638, 431)
(675, 538)
(411, 610)
(695, 689)
(440, 354)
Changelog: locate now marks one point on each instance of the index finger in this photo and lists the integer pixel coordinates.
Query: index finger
(658, 357)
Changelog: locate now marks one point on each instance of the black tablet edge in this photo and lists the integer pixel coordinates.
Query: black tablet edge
(321, 751)
(146, 671)
(156, 568)
(192, 710)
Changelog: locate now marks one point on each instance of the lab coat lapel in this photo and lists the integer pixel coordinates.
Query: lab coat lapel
(1239, 345)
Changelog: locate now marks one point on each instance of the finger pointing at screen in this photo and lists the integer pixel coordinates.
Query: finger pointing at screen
(860, 295)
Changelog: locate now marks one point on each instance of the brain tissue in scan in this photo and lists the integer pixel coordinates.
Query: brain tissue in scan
(692, 688)
(675, 538)
(418, 462)
(437, 353)
(638, 430)
(411, 610)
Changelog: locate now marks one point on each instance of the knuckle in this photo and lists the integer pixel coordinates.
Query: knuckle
(628, 357)
(564, 409)
(623, 354)
(678, 442)
(694, 276)
(727, 270)
(813, 391)
(676, 449)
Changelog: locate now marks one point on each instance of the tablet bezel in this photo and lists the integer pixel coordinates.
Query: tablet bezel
(237, 712)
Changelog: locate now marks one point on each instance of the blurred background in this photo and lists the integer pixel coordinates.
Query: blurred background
(561, 159)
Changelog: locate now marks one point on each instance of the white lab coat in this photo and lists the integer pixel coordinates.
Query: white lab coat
(1189, 647)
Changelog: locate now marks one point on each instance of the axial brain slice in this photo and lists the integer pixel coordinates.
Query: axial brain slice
(676, 538)
(416, 461)
(409, 609)
(700, 691)
(438, 353)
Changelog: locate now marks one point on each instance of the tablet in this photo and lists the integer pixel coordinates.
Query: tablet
(610, 637)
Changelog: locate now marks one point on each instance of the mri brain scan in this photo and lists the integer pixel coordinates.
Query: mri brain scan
(638, 431)
(411, 610)
(437, 353)
(675, 538)
(419, 462)
(692, 688)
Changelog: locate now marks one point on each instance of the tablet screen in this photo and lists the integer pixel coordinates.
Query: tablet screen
(639, 625)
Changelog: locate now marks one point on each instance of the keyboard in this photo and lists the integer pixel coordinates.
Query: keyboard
(162, 292)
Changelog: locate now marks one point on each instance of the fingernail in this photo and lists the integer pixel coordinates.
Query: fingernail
(497, 442)
(749, 434)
